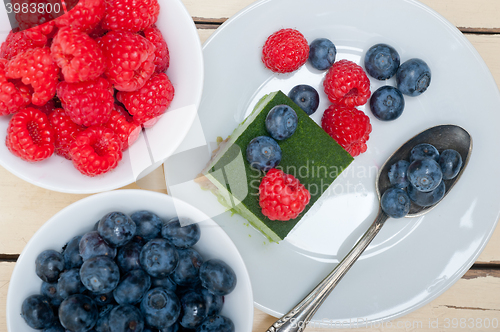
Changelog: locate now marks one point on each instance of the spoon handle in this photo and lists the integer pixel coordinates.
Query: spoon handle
(297, 318)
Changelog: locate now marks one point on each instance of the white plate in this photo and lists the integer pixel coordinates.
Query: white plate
(81, 216)
(186, 74)
(411, 261)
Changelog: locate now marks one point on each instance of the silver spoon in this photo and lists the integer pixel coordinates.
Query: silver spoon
(442, 137)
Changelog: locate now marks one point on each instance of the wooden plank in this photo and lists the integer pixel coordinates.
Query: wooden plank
(5, 273)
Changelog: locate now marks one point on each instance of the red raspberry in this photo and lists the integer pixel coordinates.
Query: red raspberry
(14, 95)
(29, 135)
(162, 57)
(35, 67)
(19, 42)
(96, 150)
(85, 16)
(282, 196)
(149, 102)
(78, 55)
(65, 131)
(348, 126)
(346, 84)
(123, 126)
(130, 15)
(87, 103)
(129, 59)
(48, 108)
(285, 51)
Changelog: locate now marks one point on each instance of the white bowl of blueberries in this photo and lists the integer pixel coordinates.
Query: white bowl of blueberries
(121, 261)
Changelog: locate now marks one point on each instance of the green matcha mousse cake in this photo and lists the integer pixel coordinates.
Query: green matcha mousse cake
(310, 155)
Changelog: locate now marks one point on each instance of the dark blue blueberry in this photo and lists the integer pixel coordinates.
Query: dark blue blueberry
(217, 277)
(132, 287)
(159, 258)
(148, 224)
(78, 313)
(69, 283)
(182, 237)
(125, 318)
(382, 61)
(281, 122)
(214, 302)
(193, 310)
(57, 327)
(48, 265)
(164, 282)
(116, 228)
(103, 300)
(102, 324)
(188, 269)
(160, 308)
(92, 245)
(413, 77)
(100, 274)
(306, 97)
(422, 151)
(322, 53)
(387, 103)
(450, 162)
(263, 153)
(50, 291)
(37, 312)
(71, 253)
(395, 202)
(397, 174)
(425, 174)
(426, 198)
(216, 323)
(128, 257)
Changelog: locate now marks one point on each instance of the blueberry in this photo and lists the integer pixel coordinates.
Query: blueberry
(422, 151)
(148, 224)
(100, 274)
(214, 302)
(387, 103)
(322, 53)
(128, 257)
(160, 308)
(306, 97)
(413, 77)
(395, 202)
(193, 310)
(450, 162)
(218, 277)
(159, 258)
(281, 122)
(116, 228)
(50, 291)
(216, 323)
(78, 313)
(425, 174)
(263, 153)
(102, 324)
(188, 269)
(69, 283)
(132, 287)
(57, 327)
(125, 318)
(48, 265)
(71, 253)
(426, 198)
(103, 300)
(181, 236)
(382, 61)
(164, 282)
(92, 245)
(37, 312)
(397, 174)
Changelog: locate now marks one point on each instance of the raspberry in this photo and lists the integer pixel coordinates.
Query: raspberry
(348, 126)
(149, 102)
(282, 196)
(162, 57)
(285, 51)
(29, 135)
(35, 67)
(87, 103)
(65, 131)
(129, 59)
(78, 55)
(30, 16)
(85, 16)
(19, 42)
(14, 95)
(130, 15)
(346, 84)
(95, 151)
(123, 126)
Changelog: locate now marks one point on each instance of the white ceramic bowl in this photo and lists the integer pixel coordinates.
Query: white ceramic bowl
(186, 74)
(81, 216)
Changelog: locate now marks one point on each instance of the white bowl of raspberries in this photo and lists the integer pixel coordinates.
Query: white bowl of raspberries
(93, 98)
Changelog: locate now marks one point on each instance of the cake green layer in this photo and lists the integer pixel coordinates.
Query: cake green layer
(310, 155)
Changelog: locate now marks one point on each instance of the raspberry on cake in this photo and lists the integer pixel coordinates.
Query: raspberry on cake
(130, 15)
(285, 51)
(65, 131)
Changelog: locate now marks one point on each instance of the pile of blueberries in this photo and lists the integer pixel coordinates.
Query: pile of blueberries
(132, 273)
(422, 177)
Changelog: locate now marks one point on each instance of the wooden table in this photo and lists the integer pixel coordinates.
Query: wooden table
(475, 298)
